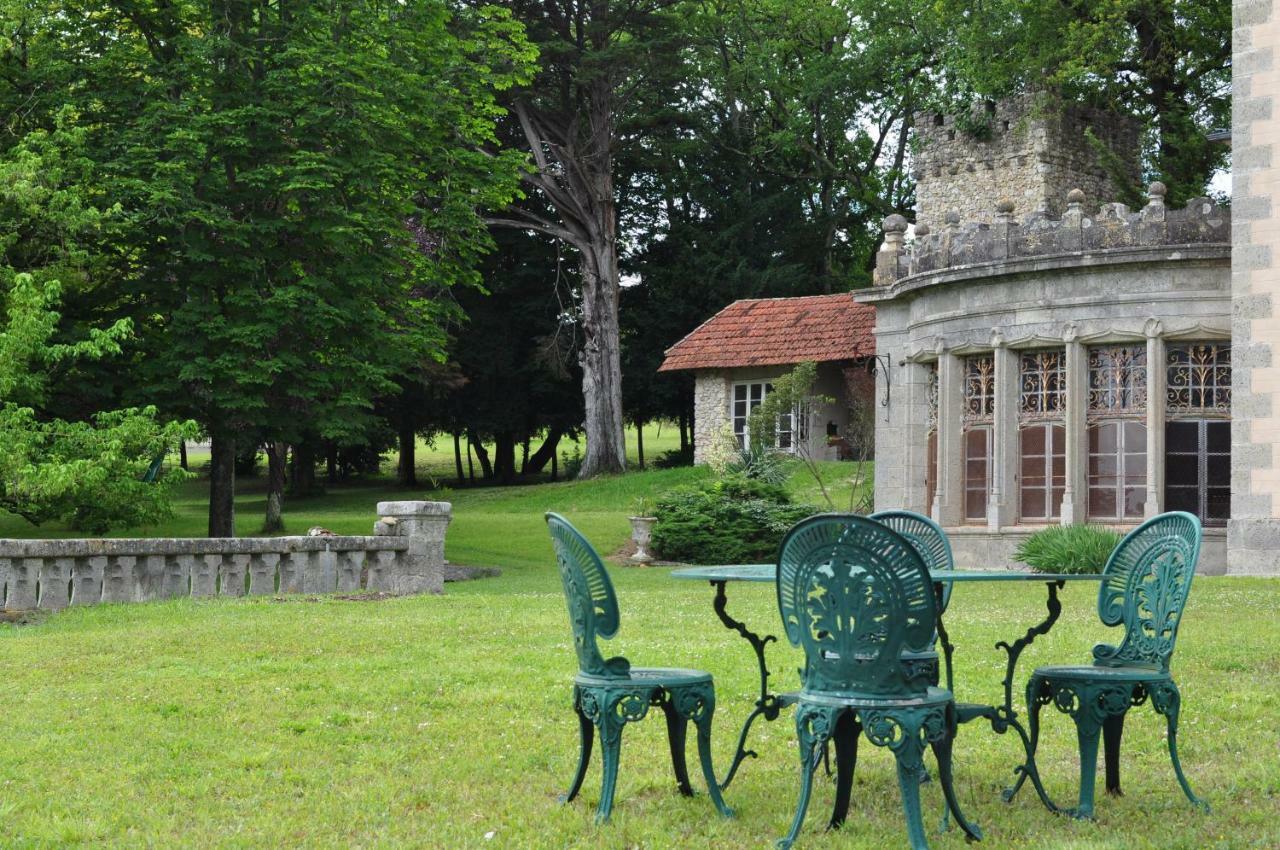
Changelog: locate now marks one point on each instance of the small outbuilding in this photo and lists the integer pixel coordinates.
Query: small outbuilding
(737, 354)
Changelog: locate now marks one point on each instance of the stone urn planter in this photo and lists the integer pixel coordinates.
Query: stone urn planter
(641, 532)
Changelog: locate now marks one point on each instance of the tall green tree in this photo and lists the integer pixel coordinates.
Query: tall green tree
(301, 183)
(575, 117)
(1165, 62)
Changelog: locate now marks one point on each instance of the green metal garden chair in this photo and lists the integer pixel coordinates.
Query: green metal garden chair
(855, 594)
(608, 694)
(1148, 577)
(931, 543)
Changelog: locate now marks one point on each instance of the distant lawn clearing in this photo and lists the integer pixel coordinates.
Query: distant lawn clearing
(434, 721)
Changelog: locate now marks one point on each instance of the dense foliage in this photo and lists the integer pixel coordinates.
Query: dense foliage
(91, 471)
(730, 520)
(298, 185)
(1165, 62)
(1068, 549)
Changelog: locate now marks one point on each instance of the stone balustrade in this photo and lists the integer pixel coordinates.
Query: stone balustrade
(955, 246)
(404, 555)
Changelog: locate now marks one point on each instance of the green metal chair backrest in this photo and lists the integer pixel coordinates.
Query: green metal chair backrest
(593, 606)
(1148, 577)
(928, 538)
(854, 594)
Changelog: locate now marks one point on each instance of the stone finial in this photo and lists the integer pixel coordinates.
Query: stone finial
(887, 259)
(1155, 210)
(1004, 206)
(895, 229)
(1075, 197)
(922, 230)
(952, 218)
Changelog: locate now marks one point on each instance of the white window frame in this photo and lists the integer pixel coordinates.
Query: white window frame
(740, 414)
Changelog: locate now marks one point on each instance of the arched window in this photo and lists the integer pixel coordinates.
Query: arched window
(1117, 471)
(1042, 438)
(1197, 476)
(979, 410)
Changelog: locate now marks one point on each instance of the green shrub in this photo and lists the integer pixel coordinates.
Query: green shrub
(759, 462)
(1068, 549)
(732, 520)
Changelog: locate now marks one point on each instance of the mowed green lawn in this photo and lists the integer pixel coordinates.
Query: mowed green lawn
(445, 721)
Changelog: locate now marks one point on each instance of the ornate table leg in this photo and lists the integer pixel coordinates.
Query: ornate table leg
(1005, 716)
(769, 704)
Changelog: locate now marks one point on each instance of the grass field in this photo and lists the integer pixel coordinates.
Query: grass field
(437, 721)
(445, 721)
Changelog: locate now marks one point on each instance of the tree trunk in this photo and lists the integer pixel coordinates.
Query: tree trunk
(524, 456)
(222, 485)
(545, 452)
(457, 456)
(303, 480)
(407, 472)
(471, 469)
(182, 454)
(277, 454)
(504, 457)
(640, 444)
(684, 433)
(601, 354)
(482, 455)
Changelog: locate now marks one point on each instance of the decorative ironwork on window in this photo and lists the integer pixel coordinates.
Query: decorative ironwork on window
(1043, 384)
(1118, 379)
(931, 395)
(979, 388)
(1199, 376)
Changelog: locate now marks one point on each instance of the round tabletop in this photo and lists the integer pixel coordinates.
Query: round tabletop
(769, 572)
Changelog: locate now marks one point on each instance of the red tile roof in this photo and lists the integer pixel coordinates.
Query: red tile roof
(777, 331)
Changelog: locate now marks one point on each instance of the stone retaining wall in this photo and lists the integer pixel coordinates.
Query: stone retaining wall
(405, 555)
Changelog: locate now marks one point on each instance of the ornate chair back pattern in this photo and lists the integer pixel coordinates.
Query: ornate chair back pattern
(1148, 577)
(854, 594)
(593, 607)
(928, 538)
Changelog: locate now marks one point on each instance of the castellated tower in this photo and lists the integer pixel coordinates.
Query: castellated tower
(1034, 154)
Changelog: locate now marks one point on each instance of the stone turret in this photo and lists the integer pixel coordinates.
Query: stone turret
(1027, 149)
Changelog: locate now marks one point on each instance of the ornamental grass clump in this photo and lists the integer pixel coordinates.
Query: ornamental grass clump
(1068, 549)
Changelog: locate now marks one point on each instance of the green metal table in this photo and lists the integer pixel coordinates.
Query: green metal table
(1002, 717)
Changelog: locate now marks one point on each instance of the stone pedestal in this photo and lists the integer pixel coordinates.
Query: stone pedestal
(423, 524)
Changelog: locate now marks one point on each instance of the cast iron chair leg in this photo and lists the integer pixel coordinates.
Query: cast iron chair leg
(846, 740)
(1112, 729)
(676, 729)
(942, 752)
(1167, 701)
(703, 723)
(813, 729)
(586, 739)
(1087, 733)
(611, 749)
(908, 756)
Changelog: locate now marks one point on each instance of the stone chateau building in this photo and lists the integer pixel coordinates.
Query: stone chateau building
(1055, 357)
(1052, 359)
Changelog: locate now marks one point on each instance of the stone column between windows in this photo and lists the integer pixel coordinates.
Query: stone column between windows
(1156, 403)
(1002, 499)
(1075, 491)
(948, 499)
